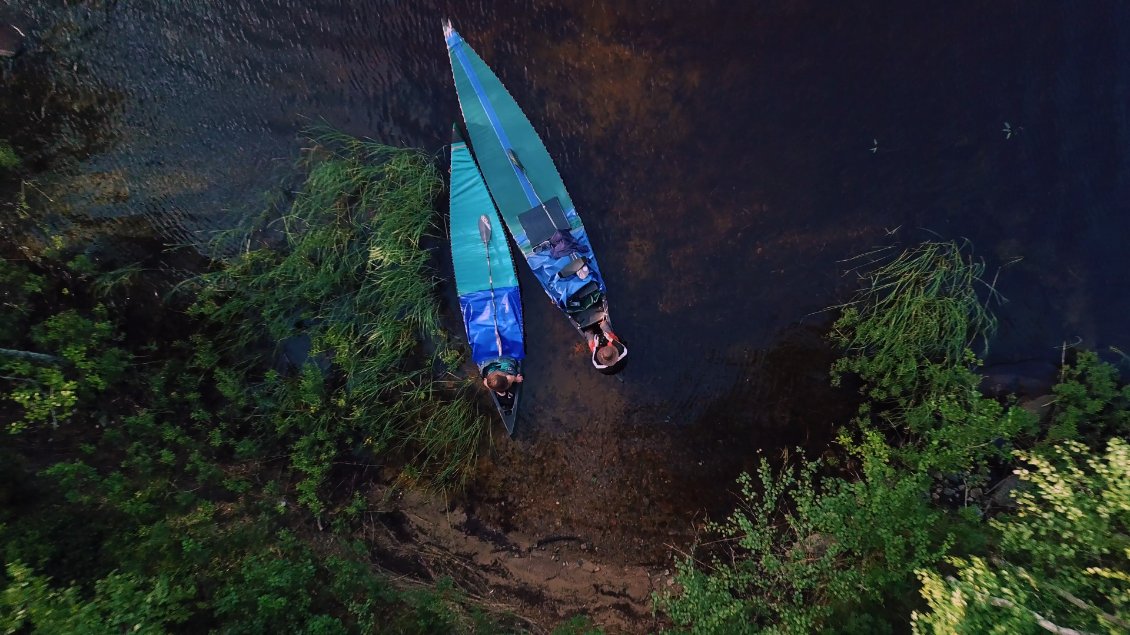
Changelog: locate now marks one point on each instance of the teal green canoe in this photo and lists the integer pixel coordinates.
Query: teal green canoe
(485, 279)
(533, 202)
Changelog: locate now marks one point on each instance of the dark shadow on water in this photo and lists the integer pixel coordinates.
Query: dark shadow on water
(635, 480)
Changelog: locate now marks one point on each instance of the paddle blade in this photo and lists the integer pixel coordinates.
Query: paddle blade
(484, 229)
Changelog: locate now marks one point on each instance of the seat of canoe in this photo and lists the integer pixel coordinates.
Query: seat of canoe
(584, 298)
(541, 221)
(572, 268)
(590, 316)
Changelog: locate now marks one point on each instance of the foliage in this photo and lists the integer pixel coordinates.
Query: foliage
(120, 603)
(1090, 405)
(907, 338)
(802, 550)
(162, 506)
(948, 427)
(918, 311)
(577, 625)
(9, 160)
(1063, 559)
(75, 356)
(353, 286)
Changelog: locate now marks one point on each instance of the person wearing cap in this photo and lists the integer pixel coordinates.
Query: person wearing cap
(608, 354)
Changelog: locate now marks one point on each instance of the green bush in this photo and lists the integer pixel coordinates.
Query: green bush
(353, 279)
(121, 603)
(803, 553)
(1090, 405)
(9, 160)
(76, 359)
(169, 509)
(839, 553)
(1063, 559)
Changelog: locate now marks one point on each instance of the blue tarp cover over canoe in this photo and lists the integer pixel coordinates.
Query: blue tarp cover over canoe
(484, 305)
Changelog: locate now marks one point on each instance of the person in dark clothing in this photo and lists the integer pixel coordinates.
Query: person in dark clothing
(501, 375)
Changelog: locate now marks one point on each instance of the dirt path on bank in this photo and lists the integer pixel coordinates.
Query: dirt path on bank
(544, 580)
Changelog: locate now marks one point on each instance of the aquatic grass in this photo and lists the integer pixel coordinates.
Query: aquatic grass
(929, 304)
(908, 336)
(351, 277)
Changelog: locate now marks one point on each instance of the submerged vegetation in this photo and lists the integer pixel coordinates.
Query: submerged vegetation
(838, 545)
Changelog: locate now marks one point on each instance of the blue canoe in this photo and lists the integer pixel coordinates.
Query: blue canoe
(534, 204)
(485, 279)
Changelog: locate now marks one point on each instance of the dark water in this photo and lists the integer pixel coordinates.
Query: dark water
(721, 154)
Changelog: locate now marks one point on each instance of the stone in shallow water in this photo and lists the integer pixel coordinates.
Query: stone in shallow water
(11, 40)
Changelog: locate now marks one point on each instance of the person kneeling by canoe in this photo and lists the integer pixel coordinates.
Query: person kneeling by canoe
(500, 375)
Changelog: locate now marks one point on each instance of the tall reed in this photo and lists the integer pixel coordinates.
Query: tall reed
(929, 304)
(351, 276)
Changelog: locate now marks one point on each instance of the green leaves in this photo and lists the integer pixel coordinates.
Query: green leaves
(907, 336)
(349, 295)
(1064, 554)
(921, 308)
(1089, 402)
(802, 549)
(120, 603)
(9, 160)
(838, 552)
(87, 363)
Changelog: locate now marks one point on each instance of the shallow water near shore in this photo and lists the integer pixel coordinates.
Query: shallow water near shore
(726, 159)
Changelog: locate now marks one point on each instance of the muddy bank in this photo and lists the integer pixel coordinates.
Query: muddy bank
(544, 579)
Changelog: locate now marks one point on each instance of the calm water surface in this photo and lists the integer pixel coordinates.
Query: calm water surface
(726, 157)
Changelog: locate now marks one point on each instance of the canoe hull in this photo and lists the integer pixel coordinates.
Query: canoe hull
(532, 200)
(485, 278)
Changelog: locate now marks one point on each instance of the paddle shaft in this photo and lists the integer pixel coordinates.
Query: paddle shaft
(484, 233)
(513, 156)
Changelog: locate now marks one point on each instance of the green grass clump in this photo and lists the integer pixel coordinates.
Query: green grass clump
(927, 305)
(352, 277)
(908, 336)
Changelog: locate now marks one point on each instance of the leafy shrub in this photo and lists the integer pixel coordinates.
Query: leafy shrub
(121, 603)
(82, 363)
(801, 550)
(353, 282)
(1064, 556)
(169, 512)
(9, 160)
(1090, 405)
